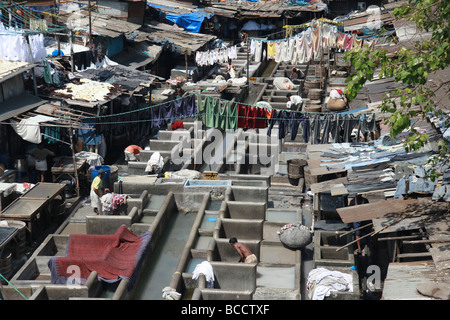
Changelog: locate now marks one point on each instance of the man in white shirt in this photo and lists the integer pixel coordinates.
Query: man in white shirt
(294, 102)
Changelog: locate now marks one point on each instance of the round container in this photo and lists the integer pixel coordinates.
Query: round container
(21, 236)
(295, 168)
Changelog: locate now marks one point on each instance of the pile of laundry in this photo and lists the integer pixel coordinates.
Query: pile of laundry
(110, 202)
(321, 282)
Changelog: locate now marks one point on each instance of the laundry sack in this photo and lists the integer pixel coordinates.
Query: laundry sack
(295, 236)
(337, 104)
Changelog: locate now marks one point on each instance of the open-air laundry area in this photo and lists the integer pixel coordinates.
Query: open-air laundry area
(208, 150)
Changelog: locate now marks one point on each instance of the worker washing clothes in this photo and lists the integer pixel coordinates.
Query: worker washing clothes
(247, 256)
(132, 153)
(294, 102)
(155, 164)
(230, 70)
(97, 192)
(296, 75)
(40, 154)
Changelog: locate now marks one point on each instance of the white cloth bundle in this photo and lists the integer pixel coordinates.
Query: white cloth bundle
(206, 269)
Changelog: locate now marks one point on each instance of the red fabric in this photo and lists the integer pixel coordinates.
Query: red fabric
(177, 125)
(260, 118)
(112, 256)
(243, 116)
(251, 117)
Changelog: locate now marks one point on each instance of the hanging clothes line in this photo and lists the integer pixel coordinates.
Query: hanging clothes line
(218, 55)
(306, 45)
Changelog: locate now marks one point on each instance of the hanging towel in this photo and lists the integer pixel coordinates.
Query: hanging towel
(232, 116)
(326, 31)
(300, 49)
(316, 42)
(357, 43)
(271, 50)
(252, 46)
(333, 37)
(340, 40)
(290, 50)
(348, 42)
(284, 51)
(277, 51)
(258, 51)
(309, 46)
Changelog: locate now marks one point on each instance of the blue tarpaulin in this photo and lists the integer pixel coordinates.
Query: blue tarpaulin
(191, 22)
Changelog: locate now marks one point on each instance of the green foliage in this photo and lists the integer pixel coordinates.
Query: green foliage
(411, 67)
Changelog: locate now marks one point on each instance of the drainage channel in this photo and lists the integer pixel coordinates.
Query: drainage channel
(165, 258)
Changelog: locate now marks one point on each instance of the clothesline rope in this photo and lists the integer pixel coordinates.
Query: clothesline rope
(199, 95)
(9, 283)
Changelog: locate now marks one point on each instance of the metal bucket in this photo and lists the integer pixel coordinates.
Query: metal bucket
(295, 170)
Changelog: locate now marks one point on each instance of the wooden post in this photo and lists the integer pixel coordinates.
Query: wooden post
(56, 22)
(90, 23)
(74, 161)
(71, 51)
(186, 63)
(248, 66)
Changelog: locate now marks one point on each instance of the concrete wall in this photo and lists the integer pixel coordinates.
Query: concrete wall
(234, 276)
(242, 229)
(109, 224)
(325, 253)
(242, 193)
(220, 294)
(246, 210)
(222, 250)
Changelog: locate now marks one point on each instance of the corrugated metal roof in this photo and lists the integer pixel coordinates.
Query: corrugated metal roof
(17, 105)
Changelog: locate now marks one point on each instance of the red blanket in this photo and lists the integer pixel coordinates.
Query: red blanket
(114, 257)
